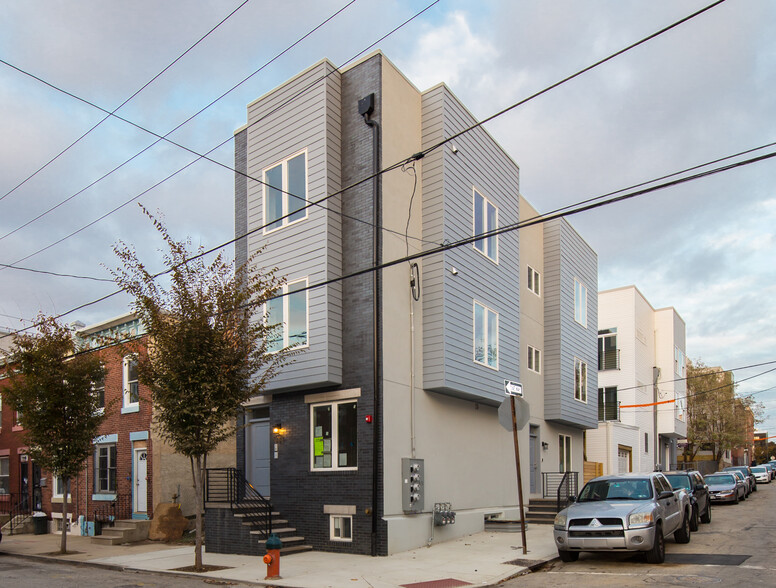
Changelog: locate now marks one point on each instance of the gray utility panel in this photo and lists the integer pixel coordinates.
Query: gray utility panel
(413, 482)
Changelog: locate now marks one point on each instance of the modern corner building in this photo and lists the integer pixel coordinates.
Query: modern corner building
(388, 412)
(641, 384)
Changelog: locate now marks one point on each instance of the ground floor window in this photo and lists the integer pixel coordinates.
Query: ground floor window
(341, 528)
(5, 485)
(105, 468)
(564, 453)
(334, 435)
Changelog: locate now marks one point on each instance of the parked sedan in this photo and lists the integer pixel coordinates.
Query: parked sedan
(726, 487)
(761, 474)
(747, 472)
(744, 481)
(771, 470)
(692, 481)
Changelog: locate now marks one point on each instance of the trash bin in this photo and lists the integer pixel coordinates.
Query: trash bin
(40, 524)
(97, 527)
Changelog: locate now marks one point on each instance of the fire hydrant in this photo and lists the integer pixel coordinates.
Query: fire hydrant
(272, 558)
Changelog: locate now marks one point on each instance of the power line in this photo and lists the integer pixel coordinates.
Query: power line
(159, 137)
(57, 274)
(205, 155)
(113, 112)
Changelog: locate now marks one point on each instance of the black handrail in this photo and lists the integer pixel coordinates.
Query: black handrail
(559, 485)
(228, 485)
(14, 506)
(108, 513)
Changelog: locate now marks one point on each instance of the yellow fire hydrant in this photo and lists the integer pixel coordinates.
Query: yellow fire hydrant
(272, 558)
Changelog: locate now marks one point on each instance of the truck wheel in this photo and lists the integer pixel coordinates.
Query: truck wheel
(568, 556)
(682, 534)
(706, 517)
(694, 519)
(657, 554)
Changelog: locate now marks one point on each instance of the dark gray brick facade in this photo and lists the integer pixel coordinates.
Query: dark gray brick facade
(226, 534)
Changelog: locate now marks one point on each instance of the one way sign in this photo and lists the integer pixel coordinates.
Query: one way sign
(513, 388)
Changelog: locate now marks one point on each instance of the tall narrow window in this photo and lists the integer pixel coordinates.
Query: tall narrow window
(285, 192)
(679, 363)
(105, 468)
(534, 360)
(580, 380)
(485, 336)
(485, 220)
(99, 393)
(5, 485)
(334, 435)
(608, 354)
(131, 384)
(290, 312)
(608, 407)
(564, 453)
(580, 303)
(533, 281)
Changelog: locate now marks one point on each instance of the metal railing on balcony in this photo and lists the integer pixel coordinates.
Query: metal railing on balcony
(608, 360)
(228, 485)
(609, 411)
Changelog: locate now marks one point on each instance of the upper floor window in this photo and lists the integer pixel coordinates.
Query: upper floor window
(485, 220)
(679, 363)
(98, 390)
(485, 336)
(608, 354)
(580, 303)
(285, 192)
(608, 407)
(580, 380)
(534, 360)
(334, 435)
(534, 281)
(131, 385)
(290, 312)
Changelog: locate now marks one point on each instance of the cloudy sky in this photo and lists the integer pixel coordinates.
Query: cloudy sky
(703, 91)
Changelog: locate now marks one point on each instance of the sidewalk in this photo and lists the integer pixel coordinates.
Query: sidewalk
(483, 559)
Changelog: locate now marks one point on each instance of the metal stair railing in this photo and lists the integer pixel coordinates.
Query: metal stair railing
(229, 485)
(17, 507)
(561, 486)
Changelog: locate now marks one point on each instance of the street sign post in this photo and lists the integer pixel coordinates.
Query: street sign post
(513, 414)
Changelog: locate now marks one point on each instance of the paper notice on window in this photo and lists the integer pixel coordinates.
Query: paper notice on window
(327, 445)
(343, 460)
(327, 460)
(318, 446)
(318, 432)
(319, 462)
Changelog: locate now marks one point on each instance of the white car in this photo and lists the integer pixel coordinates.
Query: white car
(761, 474)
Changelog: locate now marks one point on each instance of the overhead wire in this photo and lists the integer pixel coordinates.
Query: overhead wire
(206, 155)
(113, 112)
(160, 138)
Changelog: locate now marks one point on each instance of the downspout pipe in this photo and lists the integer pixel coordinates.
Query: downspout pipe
(366, 108)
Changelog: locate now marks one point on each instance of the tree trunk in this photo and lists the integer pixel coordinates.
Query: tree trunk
(65, 495)
(196, 472)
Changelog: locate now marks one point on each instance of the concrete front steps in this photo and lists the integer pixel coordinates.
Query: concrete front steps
(541, 511)
(292, 543)
(124, 531)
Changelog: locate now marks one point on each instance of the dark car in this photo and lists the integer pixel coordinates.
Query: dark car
(747, 471)
(726, 487)
(693, 482)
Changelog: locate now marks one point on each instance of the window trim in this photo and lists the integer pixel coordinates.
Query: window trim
(335, 467)
(284, 192)
(582, 396)
(7, 475)
(580, 305)
(486, 335)
(332, 519)
(534, 357)
(286, 314)
(565, 461)
(98, 491)
(534, 282)
(126, 386)
(485, 202)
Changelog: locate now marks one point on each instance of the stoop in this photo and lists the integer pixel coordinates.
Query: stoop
(124, 531)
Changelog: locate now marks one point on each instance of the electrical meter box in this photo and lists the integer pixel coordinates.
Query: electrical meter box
(413, 483)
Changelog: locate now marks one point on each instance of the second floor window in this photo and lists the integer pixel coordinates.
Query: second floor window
(285, 192)
(608, 407)
(290, 312)
(580, 380)
(608, 354)
(580, 303)
(131, 384)
(485, 336)
(485, 220)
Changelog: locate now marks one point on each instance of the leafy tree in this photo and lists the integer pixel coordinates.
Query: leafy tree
(206, 355)
(51, 386)
(717, 419)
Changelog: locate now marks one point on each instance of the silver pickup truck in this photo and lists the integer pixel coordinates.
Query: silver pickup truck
(625, 512)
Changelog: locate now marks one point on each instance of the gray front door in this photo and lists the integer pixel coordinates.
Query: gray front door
(257, 452)
(533, 456)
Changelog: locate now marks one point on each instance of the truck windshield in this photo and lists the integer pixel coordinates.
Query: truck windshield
(616, 490)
